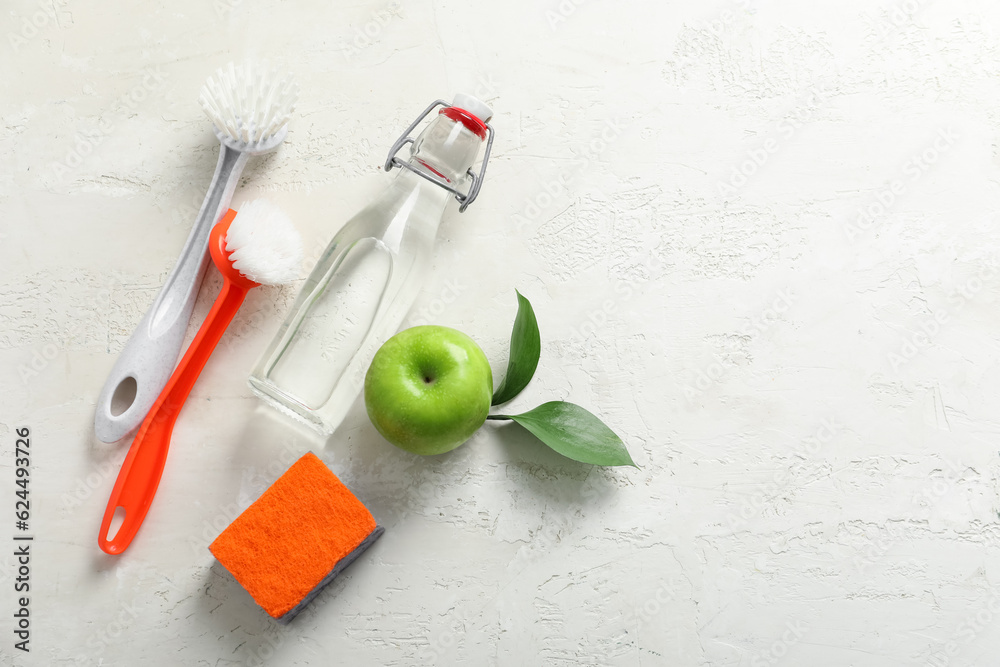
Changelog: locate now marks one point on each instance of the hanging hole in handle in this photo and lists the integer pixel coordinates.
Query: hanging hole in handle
(124, 396)
(116, 523)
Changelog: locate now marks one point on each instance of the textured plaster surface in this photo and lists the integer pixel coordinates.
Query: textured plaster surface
(761, 241)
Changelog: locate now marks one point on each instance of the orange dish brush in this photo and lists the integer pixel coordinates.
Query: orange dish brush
(294, 539)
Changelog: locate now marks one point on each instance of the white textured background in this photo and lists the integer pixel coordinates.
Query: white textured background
(761, 243)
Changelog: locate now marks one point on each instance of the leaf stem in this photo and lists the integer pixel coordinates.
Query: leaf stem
(498, 417)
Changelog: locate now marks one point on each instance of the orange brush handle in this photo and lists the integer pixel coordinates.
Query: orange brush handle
(140, 474)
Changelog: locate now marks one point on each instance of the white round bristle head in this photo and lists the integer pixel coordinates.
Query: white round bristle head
(249, 106)
(263, 244)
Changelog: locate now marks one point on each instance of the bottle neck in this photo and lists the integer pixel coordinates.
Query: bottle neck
(410, 208)
(445, 151)
(409, 191)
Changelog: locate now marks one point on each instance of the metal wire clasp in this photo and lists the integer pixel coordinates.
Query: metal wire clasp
(476, 179)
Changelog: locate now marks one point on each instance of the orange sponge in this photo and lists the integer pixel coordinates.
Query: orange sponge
(296, 538)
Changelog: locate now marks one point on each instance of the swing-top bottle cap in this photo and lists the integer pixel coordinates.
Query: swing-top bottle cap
(474, 115)
(473, 105)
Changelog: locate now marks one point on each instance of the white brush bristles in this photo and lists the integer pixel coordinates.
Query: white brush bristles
(263, 244)
(250, 104)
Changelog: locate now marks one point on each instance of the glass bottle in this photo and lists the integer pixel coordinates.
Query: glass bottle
(368, 277)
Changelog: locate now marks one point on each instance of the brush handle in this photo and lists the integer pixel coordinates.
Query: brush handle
(140, 474)
(150, 354)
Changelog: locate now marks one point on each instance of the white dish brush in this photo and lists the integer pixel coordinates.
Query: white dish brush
(249, 106)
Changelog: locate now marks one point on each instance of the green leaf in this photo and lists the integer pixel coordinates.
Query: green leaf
(575, 433)
(525, 348)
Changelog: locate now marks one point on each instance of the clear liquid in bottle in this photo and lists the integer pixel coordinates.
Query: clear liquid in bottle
(365, 281)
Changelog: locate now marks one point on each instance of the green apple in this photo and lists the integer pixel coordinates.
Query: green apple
(428, 389)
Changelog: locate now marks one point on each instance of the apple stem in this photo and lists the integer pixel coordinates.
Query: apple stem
(498, 417)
